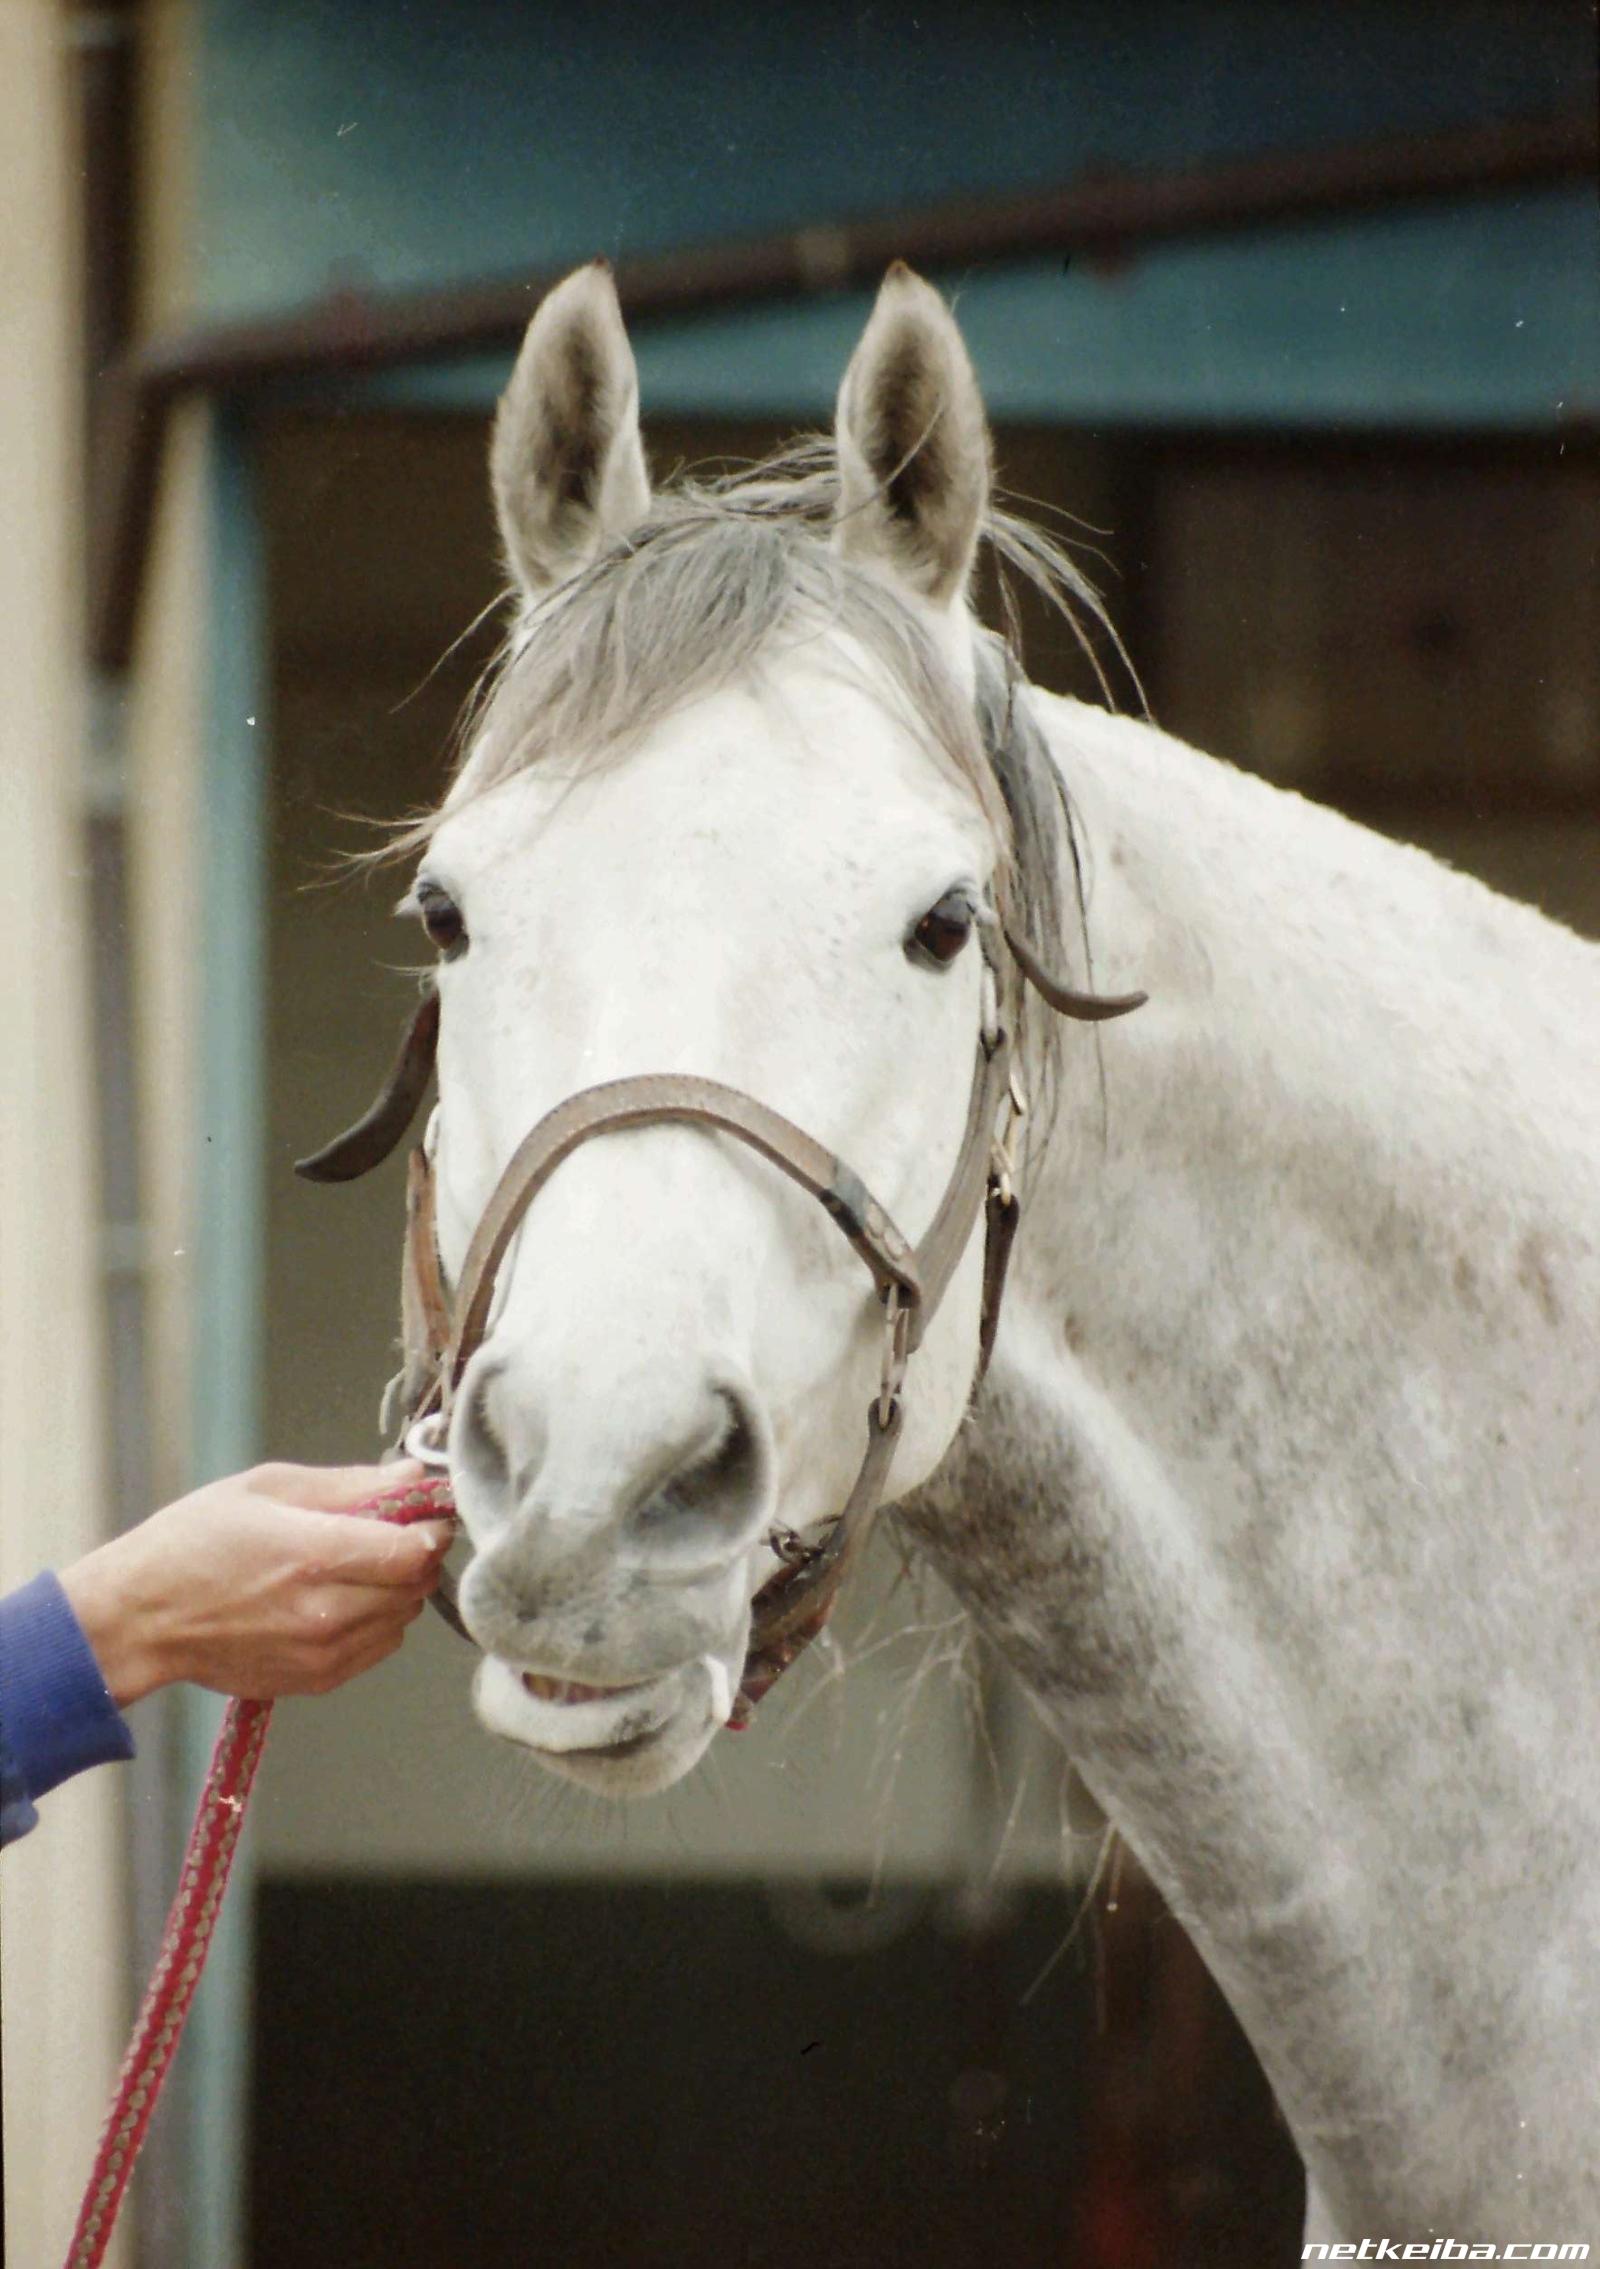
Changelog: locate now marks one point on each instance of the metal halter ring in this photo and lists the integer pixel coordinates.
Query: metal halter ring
(424, 1441)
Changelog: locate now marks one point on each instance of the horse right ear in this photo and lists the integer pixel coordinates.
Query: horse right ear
(566, 463)
(913, 445)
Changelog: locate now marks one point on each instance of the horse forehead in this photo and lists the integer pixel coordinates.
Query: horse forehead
(807, 767)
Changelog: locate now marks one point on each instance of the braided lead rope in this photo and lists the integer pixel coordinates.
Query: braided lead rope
(191, 1920)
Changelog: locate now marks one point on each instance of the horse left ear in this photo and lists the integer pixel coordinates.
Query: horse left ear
(913, 444)
(566, 462)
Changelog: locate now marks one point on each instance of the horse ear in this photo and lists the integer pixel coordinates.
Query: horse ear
(913, 444)
(566, 462)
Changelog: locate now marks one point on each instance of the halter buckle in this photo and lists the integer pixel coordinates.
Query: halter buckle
(896, 1349)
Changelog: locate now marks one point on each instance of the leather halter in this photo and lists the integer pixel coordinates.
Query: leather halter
(442, 1334)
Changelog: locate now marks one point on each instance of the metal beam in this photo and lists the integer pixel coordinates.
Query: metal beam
(1104, 215)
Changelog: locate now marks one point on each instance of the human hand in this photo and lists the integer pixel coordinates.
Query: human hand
(258, 1585)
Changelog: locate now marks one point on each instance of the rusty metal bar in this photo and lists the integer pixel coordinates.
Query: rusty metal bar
(1104, 214)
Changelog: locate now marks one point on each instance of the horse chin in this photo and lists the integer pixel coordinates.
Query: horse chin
(633, 1743)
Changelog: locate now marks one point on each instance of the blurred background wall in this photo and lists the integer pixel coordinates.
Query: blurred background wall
(1338, 476)
(63, 1952)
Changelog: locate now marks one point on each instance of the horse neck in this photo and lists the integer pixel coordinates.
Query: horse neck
(1282, 1499)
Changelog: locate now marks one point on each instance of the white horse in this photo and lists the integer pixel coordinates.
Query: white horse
(1281, 1494)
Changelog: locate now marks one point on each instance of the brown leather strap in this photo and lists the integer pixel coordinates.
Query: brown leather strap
(424, 1303)
(792, 1606)
(950, 1231)
(1085, 1008)
(443, 1600)
(652, 1100)
(425, 1333)
(1002, 1216)
(376, 1133)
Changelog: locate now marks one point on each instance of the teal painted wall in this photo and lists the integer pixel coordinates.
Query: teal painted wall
(387, 145)
(230, 1129)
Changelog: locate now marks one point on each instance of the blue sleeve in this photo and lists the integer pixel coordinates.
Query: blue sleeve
(56, 1718)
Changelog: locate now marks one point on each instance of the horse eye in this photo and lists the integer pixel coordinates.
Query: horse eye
(441, 918)
(943, 930)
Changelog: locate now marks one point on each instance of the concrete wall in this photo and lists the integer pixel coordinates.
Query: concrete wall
(60, 1894)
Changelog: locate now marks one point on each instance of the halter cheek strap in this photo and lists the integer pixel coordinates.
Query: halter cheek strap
(1083, 1008)
(369, 1142)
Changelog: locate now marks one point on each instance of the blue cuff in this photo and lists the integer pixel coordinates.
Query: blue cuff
(55, 1714)
(17, 1815)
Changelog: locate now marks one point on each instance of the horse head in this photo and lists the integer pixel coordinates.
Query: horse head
(724, 879)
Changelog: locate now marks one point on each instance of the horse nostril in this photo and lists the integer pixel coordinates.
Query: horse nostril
(718, 1489)
(686, 1477)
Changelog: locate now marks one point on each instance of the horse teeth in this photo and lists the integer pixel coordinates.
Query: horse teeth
(567, 1689)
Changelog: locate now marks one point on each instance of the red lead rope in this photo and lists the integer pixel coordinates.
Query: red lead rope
(213, 1840)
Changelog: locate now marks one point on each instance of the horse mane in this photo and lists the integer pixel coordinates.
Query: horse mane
(724, 569)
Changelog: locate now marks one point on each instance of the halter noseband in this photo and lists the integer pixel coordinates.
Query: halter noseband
(442, 1333)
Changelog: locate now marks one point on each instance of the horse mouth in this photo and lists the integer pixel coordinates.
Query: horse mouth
(622, 1740)
(575, 1717)
(567, 1690)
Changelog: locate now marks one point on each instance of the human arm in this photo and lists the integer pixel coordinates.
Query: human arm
(257, 1585)
(56, 1716)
